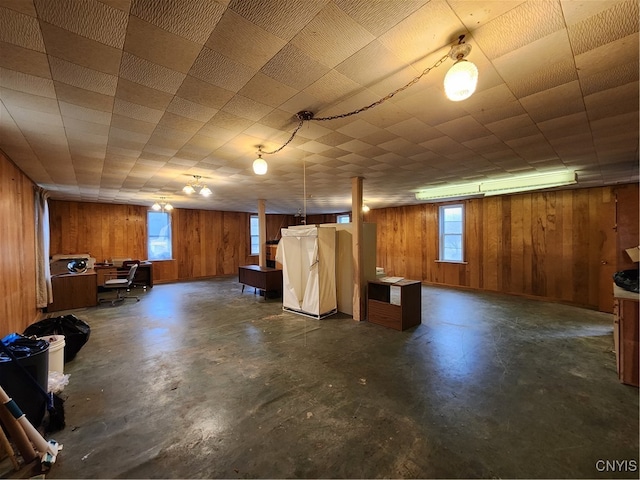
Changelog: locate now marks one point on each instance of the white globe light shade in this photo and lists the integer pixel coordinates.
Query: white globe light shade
(461, 80)
(259, 166)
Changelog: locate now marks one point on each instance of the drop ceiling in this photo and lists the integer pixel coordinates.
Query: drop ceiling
(123, 101)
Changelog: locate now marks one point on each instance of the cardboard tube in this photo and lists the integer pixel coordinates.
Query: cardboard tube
(4, 441)
(18, 435)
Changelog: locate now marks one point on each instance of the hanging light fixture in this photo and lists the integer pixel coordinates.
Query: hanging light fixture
(459, 83)
(461, 79)
(162, 206)
(259, 164)
(196, 186)
(365, 208)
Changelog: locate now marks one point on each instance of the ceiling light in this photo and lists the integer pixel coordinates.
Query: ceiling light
(196, 186)
(505, 186)
(162, 206)
(259, 164)
(527, 183)
(461, 79)
(460, 83)
(365, 208)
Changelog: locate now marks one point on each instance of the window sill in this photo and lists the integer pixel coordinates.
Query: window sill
(452, 261)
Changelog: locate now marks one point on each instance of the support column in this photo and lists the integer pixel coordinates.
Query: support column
(262, 234)
(357, 244)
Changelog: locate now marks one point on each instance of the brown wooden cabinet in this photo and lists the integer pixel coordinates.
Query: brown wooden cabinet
(266, 279)
(395, 305)
(625, 335)
(74, 290)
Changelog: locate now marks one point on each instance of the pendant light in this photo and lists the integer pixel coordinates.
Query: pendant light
(259, 164)
(462, 78)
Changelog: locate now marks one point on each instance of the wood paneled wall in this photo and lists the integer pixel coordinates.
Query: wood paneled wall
(17, 249)
(548, 245)
(205, 243)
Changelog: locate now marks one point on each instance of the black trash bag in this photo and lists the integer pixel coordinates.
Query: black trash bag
(76, 332)
(627, 280)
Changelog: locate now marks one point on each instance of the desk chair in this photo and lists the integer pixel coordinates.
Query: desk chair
(121, 285)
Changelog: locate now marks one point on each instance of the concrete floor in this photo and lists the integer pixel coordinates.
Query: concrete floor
(199, 380)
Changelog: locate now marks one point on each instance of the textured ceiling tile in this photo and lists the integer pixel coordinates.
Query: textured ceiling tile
(159, 46)
(135, 111)
(341, 36)
(266, 90)
(82, 113)
(229, 122)
(136, 93)
(568, 125)
(27, 83)
(518, 27)
(124, 5)
(378, 17)
(429, 29)
(192, 110)
(385, 115)
(13, 57)
(605, 27)
(547, 77)
(180, 123)
(463, 129)
(513, 127)
(82, 97)
(246, 108)
(20, 6)
(244, 42)
(283, 18)
(332, 87)
(221, 71)
(608, 58)
(21, 30)
(414, 130)
(615, 77)
(146, 73)
(197, 91)
(75, 48)
(82, 77)
(177, 16)
(370, 65)
(612, 102)
(293, 67)
(88, 18)
(554, 102)
(29, 101)
(474, 14)
(431, 106)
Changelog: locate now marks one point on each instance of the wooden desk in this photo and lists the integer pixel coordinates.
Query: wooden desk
(395, 305)
(73, 290)
(144, 273)
(266, 279)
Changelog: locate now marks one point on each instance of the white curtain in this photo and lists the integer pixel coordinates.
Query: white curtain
(44, 292)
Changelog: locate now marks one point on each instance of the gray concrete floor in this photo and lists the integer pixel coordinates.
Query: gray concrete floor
(199, 380)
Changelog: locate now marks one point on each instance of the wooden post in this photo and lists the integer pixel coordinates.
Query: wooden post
(262, 234)
(356, 219)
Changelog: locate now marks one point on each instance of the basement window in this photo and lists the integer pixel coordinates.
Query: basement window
(159, 235)
(254, 232)
(451, 236)
(343, 218)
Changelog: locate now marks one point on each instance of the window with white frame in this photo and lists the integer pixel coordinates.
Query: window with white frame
(343, 218)
(451, 225)
(159, 235)
(254, 232)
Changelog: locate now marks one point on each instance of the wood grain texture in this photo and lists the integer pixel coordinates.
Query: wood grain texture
(549, 245)
(17, 247)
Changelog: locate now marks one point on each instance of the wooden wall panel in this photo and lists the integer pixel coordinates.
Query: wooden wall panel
(543, 244)
(17, 249)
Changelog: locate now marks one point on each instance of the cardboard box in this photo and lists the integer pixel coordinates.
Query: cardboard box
(634, 253)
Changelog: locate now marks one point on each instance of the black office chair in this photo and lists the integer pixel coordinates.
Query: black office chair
(121, 285)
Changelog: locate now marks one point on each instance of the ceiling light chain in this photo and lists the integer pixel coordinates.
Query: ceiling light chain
(306, 115)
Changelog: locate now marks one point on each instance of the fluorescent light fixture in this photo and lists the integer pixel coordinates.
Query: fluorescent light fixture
(501, 187)
(527, 183)
(468, 189)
